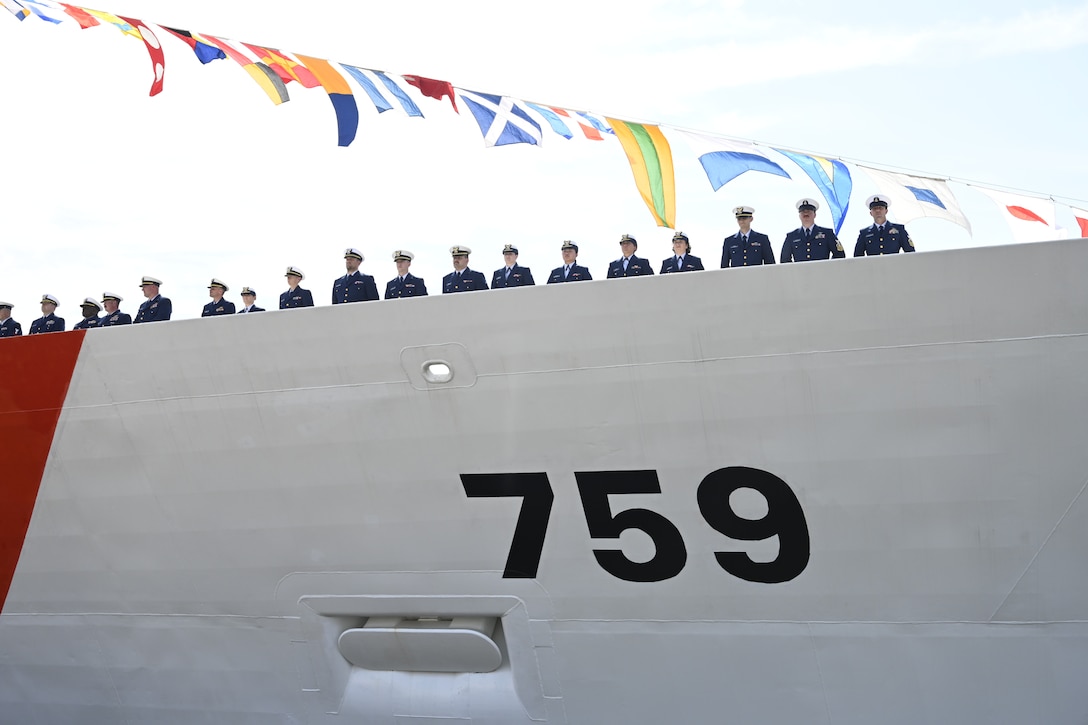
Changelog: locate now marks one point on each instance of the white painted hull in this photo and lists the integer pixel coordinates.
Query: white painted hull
(224, 497)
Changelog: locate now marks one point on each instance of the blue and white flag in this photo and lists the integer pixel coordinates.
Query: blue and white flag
(914, 197)
(15, 9)
(501, 119)
(831, 177)
(553, 120)
(369, 80)
(724, 160)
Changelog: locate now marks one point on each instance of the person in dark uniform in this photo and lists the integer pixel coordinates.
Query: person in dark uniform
(809, 241)
(882, 236)
(571, 271)
(48, 322)
(113, 316)
(249, 301)
(746, 248)
(511, 274)
(462, 279)
(90, 308)
(8, 326)
(218, 306)
(354, 286)
(629, 265)
(295, 296)
(404, 284)
(155, 308)
(682, 260)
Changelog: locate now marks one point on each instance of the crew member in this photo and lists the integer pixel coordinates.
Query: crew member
(90, 308)
(8, 326)
(249, 301)
(882, 236)
(353, 286)
(462, 279)
(629, 265)
(48, 322)
(511, 274)
(113, 316)
(746, 248)
(155, 308)
(295, 296)
(682, 260)
(571, 271)
(218, 305)
(809, 241)
(404, 284)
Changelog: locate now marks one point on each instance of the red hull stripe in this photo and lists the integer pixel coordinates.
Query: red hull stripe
(34, 377)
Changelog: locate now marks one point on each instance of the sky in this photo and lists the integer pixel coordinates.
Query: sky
(102, 184)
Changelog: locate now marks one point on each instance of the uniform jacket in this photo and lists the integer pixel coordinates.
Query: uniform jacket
(412, 286)
(519, 277)
(469, 281)
(354, 287)
(577, 274)
(255, 308)
(872, 242)
(691, 263)
(214, 309)
(10, 328)
(636, 267)
(297, 297)
(735, 253)
(117, 318)
(87, 323)
(156, 309)
(821, 245)
(49, 323)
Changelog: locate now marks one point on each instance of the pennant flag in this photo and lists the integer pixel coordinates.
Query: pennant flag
(432, 88)
(724, 160)
(81, 16)
(1081, 216)
(343, 100)
(287, 69)
(154, 51)
(594, 121)
(15, 9)
(120, 23)
(502, 121)
(914, 197)
(39, 9)
(366, 78)
(651, 162)
(831, 177)
(550, 115)
(205, 53)
(265, 77)
(1030, 218)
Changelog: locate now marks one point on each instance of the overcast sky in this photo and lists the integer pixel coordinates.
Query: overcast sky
(101, 184)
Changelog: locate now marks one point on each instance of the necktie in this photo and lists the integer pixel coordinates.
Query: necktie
(508, 273)
(400, 279)
(566, 271)
(679, 263)
(808, 233)
(880, 228)
(625, 264)
(745, 238)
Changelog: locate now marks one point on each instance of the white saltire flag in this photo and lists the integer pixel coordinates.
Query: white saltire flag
(1030, 218)
(501, 119)
(724, 159)
(914, 197)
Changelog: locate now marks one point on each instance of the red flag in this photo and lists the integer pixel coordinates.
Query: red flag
(154, 51)
(81, 16)
(1082, 220)
(432, 88)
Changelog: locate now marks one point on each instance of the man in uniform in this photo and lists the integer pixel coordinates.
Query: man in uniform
(218, 305)
(629, 265)
(113, 315)
(404, 284)
(462, 279)
(882, 236)
(8, 326)
(90, 309)
(511, 274)
(354, 286)
(571, 271)
(746, 248)
(249, 300)
(295, 296)
(48, 322)
(682, 260)
(155, 308)
(809, 241)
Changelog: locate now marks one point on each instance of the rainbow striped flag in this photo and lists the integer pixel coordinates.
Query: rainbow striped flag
(650, 157)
